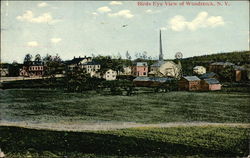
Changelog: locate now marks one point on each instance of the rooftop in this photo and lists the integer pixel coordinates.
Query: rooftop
(211, 81)
(153, 79)
(191, 78)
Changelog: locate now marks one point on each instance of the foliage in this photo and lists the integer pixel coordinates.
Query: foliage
(27, 60)
(205, 141)
(76, 80)
(107, 63)
(227, 74)
(13, 69)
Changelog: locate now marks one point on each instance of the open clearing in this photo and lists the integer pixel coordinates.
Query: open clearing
(50, 106)
(51, 123)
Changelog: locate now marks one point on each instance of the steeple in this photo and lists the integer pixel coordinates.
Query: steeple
(161, 54)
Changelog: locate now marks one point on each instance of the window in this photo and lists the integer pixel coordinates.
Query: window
(107, 75)
(108, 72)
(144, 73)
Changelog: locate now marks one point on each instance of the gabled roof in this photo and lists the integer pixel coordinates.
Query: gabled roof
(76, 60)
(91, 63)
(197, 67)
(208, 75)
(141, 64)
(191, 78)
(153, 79)
(211, 81)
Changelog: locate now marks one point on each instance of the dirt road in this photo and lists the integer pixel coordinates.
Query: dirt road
(70, 126)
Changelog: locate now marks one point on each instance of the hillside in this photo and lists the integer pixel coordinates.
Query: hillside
(238, 58)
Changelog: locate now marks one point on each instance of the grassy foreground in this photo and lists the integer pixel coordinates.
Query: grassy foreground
(43, 105)
(151, 142)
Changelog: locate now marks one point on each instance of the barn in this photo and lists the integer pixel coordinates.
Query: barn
(189, 83)
(210, 84)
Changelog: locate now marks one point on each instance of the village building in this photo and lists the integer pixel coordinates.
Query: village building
(34, 70)
(92, 68)
(140, 69)
(86, 63)
(189, 83)
(199, 70)
(219, 66)
(4, 70)
(210, 84)
(163, 68)
(126, 71)
(110, 75)
(240, 73)
(77, 62)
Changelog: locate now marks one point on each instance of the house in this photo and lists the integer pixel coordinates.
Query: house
(165, 69)
(4, 70)
(240, 73)
(143, 81)
(126, 71)
(76, 62)
(140, 69)
(209, 75)
(210, 84)
(110, 75)
(35, 70)
(92, 68)
(219, 66)
(86, 63)
(189, 83)
(199, 70)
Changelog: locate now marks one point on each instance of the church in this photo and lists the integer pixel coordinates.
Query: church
(165, 68)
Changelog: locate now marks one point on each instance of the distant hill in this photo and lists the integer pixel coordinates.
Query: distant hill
(238, 58)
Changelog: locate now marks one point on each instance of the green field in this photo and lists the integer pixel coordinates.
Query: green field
(43, 105)
(142, 142)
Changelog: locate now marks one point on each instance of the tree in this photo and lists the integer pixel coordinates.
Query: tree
(27, 60)
(38, 59)
(77, 80)
(14, 69)
(227, 74)
(53, 66)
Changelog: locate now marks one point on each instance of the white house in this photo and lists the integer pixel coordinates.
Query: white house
(110, 75)
(165, 69)
(199, 70)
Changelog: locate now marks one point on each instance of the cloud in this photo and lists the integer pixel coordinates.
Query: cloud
(149, 11)
(104, 9)
(115, 3)
(55, 40)
(32, 44)
(28, 16)
(94, 13)
(43, 4)
(123, 13)
(202, 20)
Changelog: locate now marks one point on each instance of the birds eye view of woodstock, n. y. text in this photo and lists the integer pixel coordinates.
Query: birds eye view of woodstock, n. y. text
(132, 79)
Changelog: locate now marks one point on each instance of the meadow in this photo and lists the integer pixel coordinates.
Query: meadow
(44, 105)
(207, 141)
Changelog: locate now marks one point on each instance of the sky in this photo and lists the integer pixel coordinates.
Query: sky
(79, 28)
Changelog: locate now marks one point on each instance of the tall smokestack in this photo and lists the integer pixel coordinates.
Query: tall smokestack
(161, 54)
